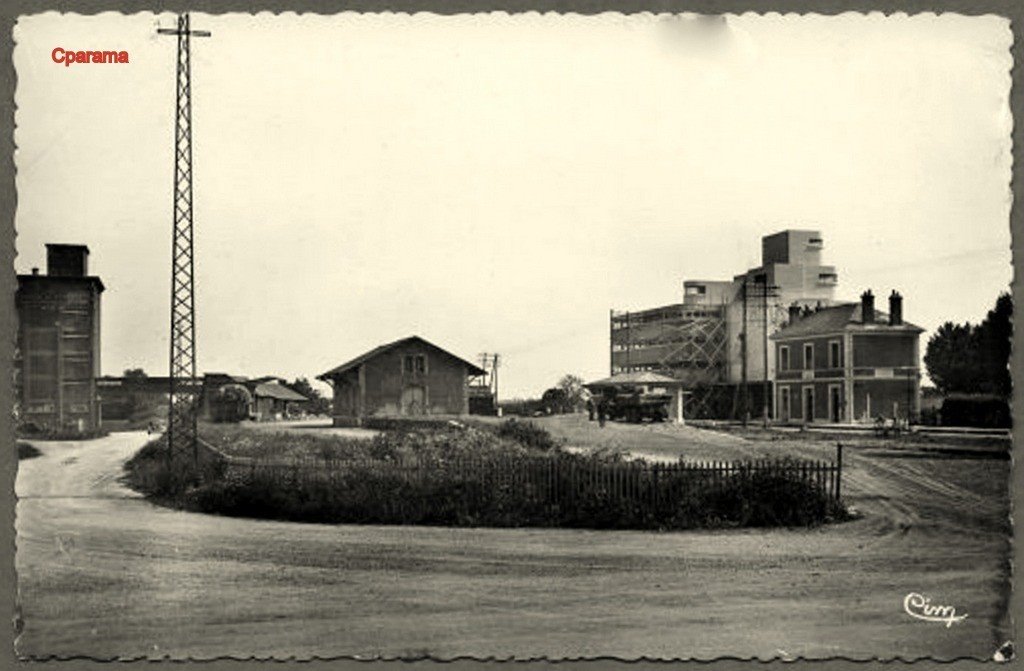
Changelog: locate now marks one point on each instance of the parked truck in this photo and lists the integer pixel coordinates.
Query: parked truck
(636, 405)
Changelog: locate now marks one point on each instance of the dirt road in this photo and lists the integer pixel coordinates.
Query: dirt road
(106, 574)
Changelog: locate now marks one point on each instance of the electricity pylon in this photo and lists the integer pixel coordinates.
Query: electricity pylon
(182, 412)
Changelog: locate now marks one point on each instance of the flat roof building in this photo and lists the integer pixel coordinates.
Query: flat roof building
(57, 359)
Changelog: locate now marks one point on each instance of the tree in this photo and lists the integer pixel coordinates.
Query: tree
(951, 358)
(140, 404)
(232, 403)
(554, 401)
(993, 344)
(318, 404)
(575, 393)
(967, 359)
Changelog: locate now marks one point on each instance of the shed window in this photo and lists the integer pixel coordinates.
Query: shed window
(415, 363)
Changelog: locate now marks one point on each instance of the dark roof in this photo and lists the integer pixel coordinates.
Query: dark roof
(348, 365)
(42, 279)
(842, 317)
(278, 391)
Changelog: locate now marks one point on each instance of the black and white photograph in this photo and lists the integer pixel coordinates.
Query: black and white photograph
(512, 336)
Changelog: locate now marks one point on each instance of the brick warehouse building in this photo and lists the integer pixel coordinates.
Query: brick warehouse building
(407, 378)
(57, 359)
(848, 363)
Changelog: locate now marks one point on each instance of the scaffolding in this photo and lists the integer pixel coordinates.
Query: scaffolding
(686, 342)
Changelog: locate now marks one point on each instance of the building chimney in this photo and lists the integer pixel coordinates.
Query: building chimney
(67, 260)
(867, 307)
(794, 313)
(895, 308)
(35, 271)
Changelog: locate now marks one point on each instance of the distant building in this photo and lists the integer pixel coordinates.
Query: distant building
(848, 363)
(271, 398)
(717, 338)
(406, 378)
(57, 359)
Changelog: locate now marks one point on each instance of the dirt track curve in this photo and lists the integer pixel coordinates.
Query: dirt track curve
(103, 573)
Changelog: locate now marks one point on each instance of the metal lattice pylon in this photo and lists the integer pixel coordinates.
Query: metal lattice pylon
(182, 410)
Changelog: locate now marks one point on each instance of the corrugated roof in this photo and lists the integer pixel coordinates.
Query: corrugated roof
(836, 318)
(380, 349)
(278, 391)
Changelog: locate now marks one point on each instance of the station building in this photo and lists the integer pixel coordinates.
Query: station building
(848, 363)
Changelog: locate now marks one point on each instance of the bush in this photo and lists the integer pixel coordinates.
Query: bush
(991, 412)
(152, 472)
(32, 430)
(26, 451)
(565, 491)
(231, 403)
(529, 435)
(416, 443)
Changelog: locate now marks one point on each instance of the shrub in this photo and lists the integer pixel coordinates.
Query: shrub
(529, 435)
(564, 491)
(26, 451)
(152, 472)
(231, 403)
(976, 411)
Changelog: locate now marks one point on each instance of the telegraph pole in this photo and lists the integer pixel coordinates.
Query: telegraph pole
(767, 290)
(182, 411)
(745, 408)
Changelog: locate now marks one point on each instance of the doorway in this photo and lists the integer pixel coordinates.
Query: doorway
(413, 400)
(835, 404)
(808, 404)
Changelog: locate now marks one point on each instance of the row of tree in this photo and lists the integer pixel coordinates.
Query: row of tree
(973, 359)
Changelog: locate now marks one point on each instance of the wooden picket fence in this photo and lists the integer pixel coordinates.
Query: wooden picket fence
(555, 478)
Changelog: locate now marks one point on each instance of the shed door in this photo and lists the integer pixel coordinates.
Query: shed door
(413, 400)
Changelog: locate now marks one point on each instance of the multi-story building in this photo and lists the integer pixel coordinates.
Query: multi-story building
(57, 359)
(717, 340)
(848, 363)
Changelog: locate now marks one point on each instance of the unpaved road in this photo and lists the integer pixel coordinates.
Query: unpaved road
(106, 574)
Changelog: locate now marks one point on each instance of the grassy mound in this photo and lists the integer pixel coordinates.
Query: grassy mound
(453, 477)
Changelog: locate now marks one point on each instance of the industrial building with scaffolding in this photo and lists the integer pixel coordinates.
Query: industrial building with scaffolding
(717, 340)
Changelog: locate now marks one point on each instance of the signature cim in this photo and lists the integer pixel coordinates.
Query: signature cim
(921, 607)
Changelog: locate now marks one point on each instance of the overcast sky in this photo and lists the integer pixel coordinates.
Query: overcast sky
(497, 183)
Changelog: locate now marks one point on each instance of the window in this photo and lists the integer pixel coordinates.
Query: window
(808, 356)
(784, 357)
(835, 359)
(415, 363)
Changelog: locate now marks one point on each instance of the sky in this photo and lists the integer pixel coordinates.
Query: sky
(498, 183)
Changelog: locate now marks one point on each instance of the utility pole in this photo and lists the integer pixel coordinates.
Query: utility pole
(182, 411)
(494, 379)
(766, 291)
(745, 406)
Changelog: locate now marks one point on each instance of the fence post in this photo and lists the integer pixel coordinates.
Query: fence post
(839, 469)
